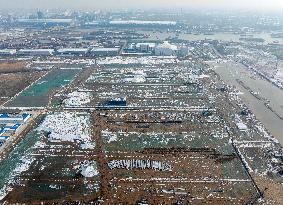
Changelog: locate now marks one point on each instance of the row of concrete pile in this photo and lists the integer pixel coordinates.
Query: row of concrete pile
(139, 164)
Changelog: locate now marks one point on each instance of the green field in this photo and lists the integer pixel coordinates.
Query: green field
(114, 142)
(38, 94)
(22, 150)
(53, 80)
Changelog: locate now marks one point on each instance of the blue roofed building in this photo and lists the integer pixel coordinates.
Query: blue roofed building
(4, 138)
(11, 128)
(6, 119)
(10, 124)
(2, 131)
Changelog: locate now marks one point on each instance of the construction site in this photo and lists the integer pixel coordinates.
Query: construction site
(140, 106)
(168, 133)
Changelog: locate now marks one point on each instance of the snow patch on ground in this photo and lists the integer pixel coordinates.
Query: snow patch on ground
(87, 145)
(264, 133)
(66, 126)
(77, 99)
(89, 169)
(112, 137)
(21, 167)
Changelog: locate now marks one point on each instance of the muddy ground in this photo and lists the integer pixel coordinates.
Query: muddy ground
(13, 83)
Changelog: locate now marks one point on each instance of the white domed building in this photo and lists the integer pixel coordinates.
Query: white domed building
(166, 49)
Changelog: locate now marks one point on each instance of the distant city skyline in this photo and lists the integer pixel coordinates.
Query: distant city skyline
(142, 4)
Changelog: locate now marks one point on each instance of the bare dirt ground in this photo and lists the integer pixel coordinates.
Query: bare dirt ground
(12, 83)
(13, 67)
(272, 190)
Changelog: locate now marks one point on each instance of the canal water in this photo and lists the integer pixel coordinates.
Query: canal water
(217, 36)
(232, 72)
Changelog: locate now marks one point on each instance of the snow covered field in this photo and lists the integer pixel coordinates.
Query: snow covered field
(66, 126)
(77, 99)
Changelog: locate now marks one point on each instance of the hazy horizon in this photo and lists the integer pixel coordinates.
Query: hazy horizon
(142, 4)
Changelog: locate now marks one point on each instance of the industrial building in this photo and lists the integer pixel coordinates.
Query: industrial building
(139, 22)
(104, 52)
(183, 51)
(166, 49)
(35, 52)
(114, 102)
(5, 118)
(11, 128)
(141, 48)
(73, 51)
(130, 49)
(145, 47)
(3, 138)
(7, 52)
(45, 22)
(10, 124)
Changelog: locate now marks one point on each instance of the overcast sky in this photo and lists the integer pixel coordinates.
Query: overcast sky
(136, 4)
